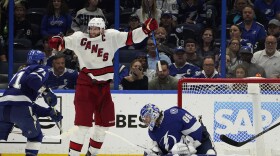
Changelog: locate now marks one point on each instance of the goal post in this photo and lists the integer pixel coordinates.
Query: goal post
(238, 108)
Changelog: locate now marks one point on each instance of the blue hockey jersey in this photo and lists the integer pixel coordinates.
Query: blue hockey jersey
(65, 81)
(24, 87)
(175, 123)
(188, 70)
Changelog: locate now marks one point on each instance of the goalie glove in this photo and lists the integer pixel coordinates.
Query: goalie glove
(149, 25)
(180, 148)
(57, 43)
(49, 97)
(154, 151)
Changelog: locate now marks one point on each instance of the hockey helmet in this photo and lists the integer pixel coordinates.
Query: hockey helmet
(35, 57)
(97, 22)
(152, 111)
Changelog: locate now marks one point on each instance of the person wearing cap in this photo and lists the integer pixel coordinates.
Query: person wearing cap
(253, 70)
(269, 57)
(169, 24)
(272, 29)
(181, 68)
(163, 81)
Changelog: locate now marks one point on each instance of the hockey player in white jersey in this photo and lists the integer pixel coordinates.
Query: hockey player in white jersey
(95, 51)
(18, 107)
(175, 131)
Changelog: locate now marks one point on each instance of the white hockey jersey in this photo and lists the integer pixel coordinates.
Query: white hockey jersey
(96, 54)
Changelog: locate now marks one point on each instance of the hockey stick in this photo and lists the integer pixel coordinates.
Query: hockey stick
(154, 39)
(58, 124)
(63, 135)
(229, 141)
(125, 140)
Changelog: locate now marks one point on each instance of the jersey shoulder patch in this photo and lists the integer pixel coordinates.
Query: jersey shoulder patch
(173, 110)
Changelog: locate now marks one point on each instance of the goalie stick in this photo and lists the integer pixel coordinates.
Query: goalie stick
(232, 142)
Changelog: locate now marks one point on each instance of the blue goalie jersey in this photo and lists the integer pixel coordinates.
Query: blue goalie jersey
(24, 87)
(175, 123)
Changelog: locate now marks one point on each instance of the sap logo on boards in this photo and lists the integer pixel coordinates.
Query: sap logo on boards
(235, 119)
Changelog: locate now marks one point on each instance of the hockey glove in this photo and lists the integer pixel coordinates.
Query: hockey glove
(57, 43)
(149, 25)
(49, 97)
(55, 115)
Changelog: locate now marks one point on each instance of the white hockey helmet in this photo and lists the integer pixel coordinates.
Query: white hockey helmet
(97, 22)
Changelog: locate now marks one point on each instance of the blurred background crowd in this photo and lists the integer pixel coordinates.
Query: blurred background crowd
(187, 41)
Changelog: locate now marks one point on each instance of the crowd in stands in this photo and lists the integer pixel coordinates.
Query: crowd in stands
(187, 42)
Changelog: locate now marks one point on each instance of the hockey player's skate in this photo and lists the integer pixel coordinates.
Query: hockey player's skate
(89, 154)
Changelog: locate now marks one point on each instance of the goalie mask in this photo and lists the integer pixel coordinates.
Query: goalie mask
(152, 111)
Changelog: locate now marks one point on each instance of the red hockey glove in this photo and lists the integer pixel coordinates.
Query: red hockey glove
(149, 25)
(57, 43)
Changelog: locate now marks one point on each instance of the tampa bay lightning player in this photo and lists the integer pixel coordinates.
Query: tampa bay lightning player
(175, 131)
(18, 107)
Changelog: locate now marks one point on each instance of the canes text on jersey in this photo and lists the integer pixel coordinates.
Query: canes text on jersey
(94, 48)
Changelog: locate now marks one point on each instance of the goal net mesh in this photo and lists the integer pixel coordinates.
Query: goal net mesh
(238, 108)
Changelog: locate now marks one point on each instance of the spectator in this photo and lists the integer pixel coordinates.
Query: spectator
(169, 5)
(268, 58)
(134, 22)
(181, 68)
(209, 70)
(169, 24)
(150, 73)
(58, 20)
(207, 47)
(80, 22)
(191, 11)
(253, 70)
(235, 15)
(61, 77)
(235, 33)
(273, 29)
(251, 30)
(161, 37)
(192, 57)
(233, 51)
(152, 55)
(49, 52)
(240, 71)
(143, 12)
(22, 27)
(136, 80)
(163, 81)
(271, 8)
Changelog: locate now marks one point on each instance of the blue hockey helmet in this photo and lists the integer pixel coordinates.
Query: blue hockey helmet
(152, 111)
(35, 57)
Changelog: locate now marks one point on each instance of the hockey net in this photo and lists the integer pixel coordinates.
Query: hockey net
(238, 108)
